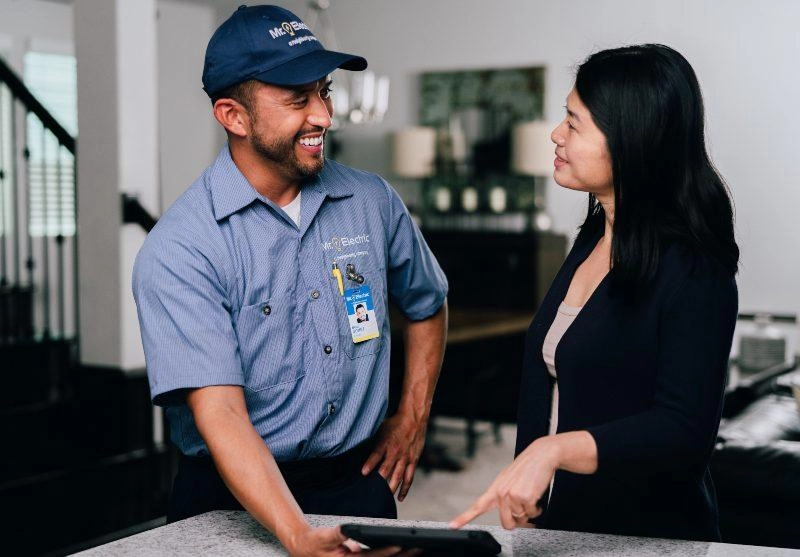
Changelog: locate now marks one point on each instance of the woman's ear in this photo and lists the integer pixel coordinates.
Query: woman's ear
(232, 116)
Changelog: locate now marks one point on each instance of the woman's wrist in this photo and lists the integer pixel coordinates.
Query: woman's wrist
(573, 451)
(550, 449)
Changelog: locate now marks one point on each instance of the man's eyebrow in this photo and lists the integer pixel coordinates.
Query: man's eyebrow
(300, 90)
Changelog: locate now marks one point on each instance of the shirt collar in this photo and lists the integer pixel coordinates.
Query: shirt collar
(232, 192)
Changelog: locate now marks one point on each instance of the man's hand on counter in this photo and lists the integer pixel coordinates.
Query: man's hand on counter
(330, 542)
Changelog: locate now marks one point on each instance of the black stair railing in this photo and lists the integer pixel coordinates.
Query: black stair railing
(133, 212)
(38, 212)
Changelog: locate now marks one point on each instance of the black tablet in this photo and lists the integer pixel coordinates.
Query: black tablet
(439, 540)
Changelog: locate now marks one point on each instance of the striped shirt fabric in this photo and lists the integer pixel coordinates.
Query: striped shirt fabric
(230, 291)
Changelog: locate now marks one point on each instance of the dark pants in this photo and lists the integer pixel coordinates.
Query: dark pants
(321, 486)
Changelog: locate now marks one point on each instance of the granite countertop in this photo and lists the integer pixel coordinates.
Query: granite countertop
(236, 534)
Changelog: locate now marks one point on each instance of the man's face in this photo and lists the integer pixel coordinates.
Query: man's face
(361, 312)
(287, 127)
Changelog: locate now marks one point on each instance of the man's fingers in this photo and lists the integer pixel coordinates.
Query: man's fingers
(480, 506)
(382, 552)
(397, 475)
(331, 537)
(389, 463)
(352, 546)
(408, 479)
(372, 461)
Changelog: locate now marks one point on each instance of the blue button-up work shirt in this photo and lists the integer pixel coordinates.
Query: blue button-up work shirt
(230, 291)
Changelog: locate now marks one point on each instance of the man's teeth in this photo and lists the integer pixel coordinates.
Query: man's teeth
(311, 141)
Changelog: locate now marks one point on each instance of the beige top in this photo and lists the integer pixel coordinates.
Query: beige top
(564, 318)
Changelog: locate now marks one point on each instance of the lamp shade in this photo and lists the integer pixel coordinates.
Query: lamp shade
(532, 152)
(414, 152)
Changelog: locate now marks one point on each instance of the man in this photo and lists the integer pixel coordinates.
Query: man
(272, 401)
(361, 313)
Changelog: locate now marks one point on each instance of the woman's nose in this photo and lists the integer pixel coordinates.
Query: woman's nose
(557, 135)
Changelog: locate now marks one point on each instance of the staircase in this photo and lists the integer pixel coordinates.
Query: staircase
(80, 463)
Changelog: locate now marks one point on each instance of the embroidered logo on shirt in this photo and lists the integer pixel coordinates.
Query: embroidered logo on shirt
(340, 242)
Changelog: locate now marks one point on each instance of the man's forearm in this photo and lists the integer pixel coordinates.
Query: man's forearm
(245, 463)
(424, 349)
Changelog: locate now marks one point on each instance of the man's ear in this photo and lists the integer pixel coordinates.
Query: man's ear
(233, 117)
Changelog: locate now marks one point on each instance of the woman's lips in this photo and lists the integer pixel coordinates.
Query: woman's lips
(559, 162)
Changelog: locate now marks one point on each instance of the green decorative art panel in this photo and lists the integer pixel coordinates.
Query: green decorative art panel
(511, 95)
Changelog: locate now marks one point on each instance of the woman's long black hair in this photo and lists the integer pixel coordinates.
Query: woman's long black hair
(647, 102)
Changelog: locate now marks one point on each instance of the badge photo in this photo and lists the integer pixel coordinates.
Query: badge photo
(361, 313)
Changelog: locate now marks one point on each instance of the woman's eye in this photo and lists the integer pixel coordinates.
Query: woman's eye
(325, 93)
(569, 125)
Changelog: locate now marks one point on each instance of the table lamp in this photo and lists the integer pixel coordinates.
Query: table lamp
(414, 152)
(532, 154)
(414, 157)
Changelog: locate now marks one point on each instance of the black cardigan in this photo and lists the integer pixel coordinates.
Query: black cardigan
(646, 380)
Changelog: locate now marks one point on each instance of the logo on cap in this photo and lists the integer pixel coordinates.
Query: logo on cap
(288, 28)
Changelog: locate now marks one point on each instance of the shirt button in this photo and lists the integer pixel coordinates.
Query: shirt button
(331, 409)
(315, 294)
(266, 310)
(328, 349)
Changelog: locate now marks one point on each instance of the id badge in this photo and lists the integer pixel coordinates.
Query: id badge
(361, 313)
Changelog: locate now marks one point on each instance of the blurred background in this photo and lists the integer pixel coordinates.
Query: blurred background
(103, 124)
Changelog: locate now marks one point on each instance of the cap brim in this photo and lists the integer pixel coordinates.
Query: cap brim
(311, 67)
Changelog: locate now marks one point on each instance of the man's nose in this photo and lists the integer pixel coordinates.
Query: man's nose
(320, 113)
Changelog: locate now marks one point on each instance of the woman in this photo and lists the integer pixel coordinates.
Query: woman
(626, 358)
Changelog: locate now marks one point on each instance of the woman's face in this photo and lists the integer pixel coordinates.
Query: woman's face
(582, 159)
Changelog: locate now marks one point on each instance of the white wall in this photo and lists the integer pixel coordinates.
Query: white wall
(188, 134)
(37, 23)
(744, 52)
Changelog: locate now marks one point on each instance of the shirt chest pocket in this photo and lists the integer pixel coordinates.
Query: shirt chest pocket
(376, 281)
(270, 343)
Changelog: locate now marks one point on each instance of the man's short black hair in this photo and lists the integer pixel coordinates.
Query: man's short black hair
(243, 93)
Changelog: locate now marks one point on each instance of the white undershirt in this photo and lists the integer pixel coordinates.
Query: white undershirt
(293, 209)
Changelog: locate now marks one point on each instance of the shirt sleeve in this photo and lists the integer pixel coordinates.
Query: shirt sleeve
(678, 431)
(185, 320)
(416, 282)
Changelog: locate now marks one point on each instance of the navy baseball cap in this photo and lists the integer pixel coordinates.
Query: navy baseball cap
(270, 44)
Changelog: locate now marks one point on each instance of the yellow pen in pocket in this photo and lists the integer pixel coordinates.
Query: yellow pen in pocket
(338, 274)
